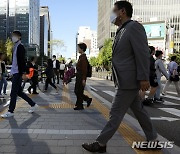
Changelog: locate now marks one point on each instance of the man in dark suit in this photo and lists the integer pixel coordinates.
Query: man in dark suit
(56, 67)
(130, 62)
(18, 71)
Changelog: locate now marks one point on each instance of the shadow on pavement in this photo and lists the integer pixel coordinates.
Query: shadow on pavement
(22, 141)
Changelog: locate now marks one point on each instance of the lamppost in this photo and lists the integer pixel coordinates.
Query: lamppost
(76, 45)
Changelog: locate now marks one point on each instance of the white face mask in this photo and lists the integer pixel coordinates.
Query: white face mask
(113, 18)
(15, 39)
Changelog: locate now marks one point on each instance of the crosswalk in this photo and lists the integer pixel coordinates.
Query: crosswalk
(175, 102)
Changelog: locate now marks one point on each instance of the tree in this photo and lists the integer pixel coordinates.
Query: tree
(58, 44)
(61, 59)
(6, 47)
(2, 46)
(9, 47)
(105, 55)
(93, 61)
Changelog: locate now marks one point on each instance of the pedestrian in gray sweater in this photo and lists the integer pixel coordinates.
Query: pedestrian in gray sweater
(160, 71)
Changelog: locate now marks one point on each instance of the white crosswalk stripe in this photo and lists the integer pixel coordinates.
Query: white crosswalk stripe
(172, 111)
(111, 93)
(169, 103)
(172, 97)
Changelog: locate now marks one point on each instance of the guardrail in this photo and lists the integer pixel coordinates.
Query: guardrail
(103, 75)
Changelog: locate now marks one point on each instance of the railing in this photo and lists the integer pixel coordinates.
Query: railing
(107, 75)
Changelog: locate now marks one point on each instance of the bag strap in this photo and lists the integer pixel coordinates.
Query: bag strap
(123, 26)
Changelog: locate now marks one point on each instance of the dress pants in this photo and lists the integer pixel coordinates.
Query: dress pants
(49, 81)
(125, 99)
(56, 76)
(16, 90)
(79, 91)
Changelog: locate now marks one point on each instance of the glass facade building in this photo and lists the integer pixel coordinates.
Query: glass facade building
(144, 11)
(45, 31)
(22, 15)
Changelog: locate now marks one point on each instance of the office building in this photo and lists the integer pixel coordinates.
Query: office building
(45, 31)
(22, 15)
(86, 35)
(144, 11)
(105, 29)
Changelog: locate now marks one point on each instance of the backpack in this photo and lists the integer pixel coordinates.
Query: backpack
(89, 70)
(31, 73)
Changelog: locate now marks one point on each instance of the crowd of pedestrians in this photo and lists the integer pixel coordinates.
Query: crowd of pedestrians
(23, 72)
(157, 71)
(132, 73)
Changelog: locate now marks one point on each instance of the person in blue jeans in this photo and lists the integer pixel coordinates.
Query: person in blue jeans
(18, 71)
(3, 81)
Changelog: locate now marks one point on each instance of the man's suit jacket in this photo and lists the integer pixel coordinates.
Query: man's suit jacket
(21, 59)
(57, 65)
(131, 57)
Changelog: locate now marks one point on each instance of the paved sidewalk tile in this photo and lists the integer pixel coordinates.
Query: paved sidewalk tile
(55, 129)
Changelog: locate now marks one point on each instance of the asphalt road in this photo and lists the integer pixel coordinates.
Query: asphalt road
(165, 117)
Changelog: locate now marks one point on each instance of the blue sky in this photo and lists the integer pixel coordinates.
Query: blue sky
(67, 16)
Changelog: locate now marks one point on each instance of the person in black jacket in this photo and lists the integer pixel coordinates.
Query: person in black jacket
(49, 75)
(18, 71)
(34, 79)
(56, 67)
(81, 76)
(153, 80)
(3, 81)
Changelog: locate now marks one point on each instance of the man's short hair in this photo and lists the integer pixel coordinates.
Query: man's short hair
(54, 56)
(18, 33)
(126, 5)
(158, 53)
(151, 49)
(173, 58)
(82, 46)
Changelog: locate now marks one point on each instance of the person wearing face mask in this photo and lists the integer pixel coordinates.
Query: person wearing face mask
(130, 67)
(56, 67)
(160, 70)
(18, 71)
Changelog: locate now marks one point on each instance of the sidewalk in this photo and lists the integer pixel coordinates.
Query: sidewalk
(57, 128)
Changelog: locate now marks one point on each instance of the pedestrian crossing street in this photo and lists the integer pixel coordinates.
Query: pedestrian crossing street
(170, 95)
(171, 105)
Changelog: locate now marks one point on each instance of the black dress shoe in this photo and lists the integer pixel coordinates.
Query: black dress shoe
(94, 147)
(148, 102)
(89, 102)
(78, 108)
